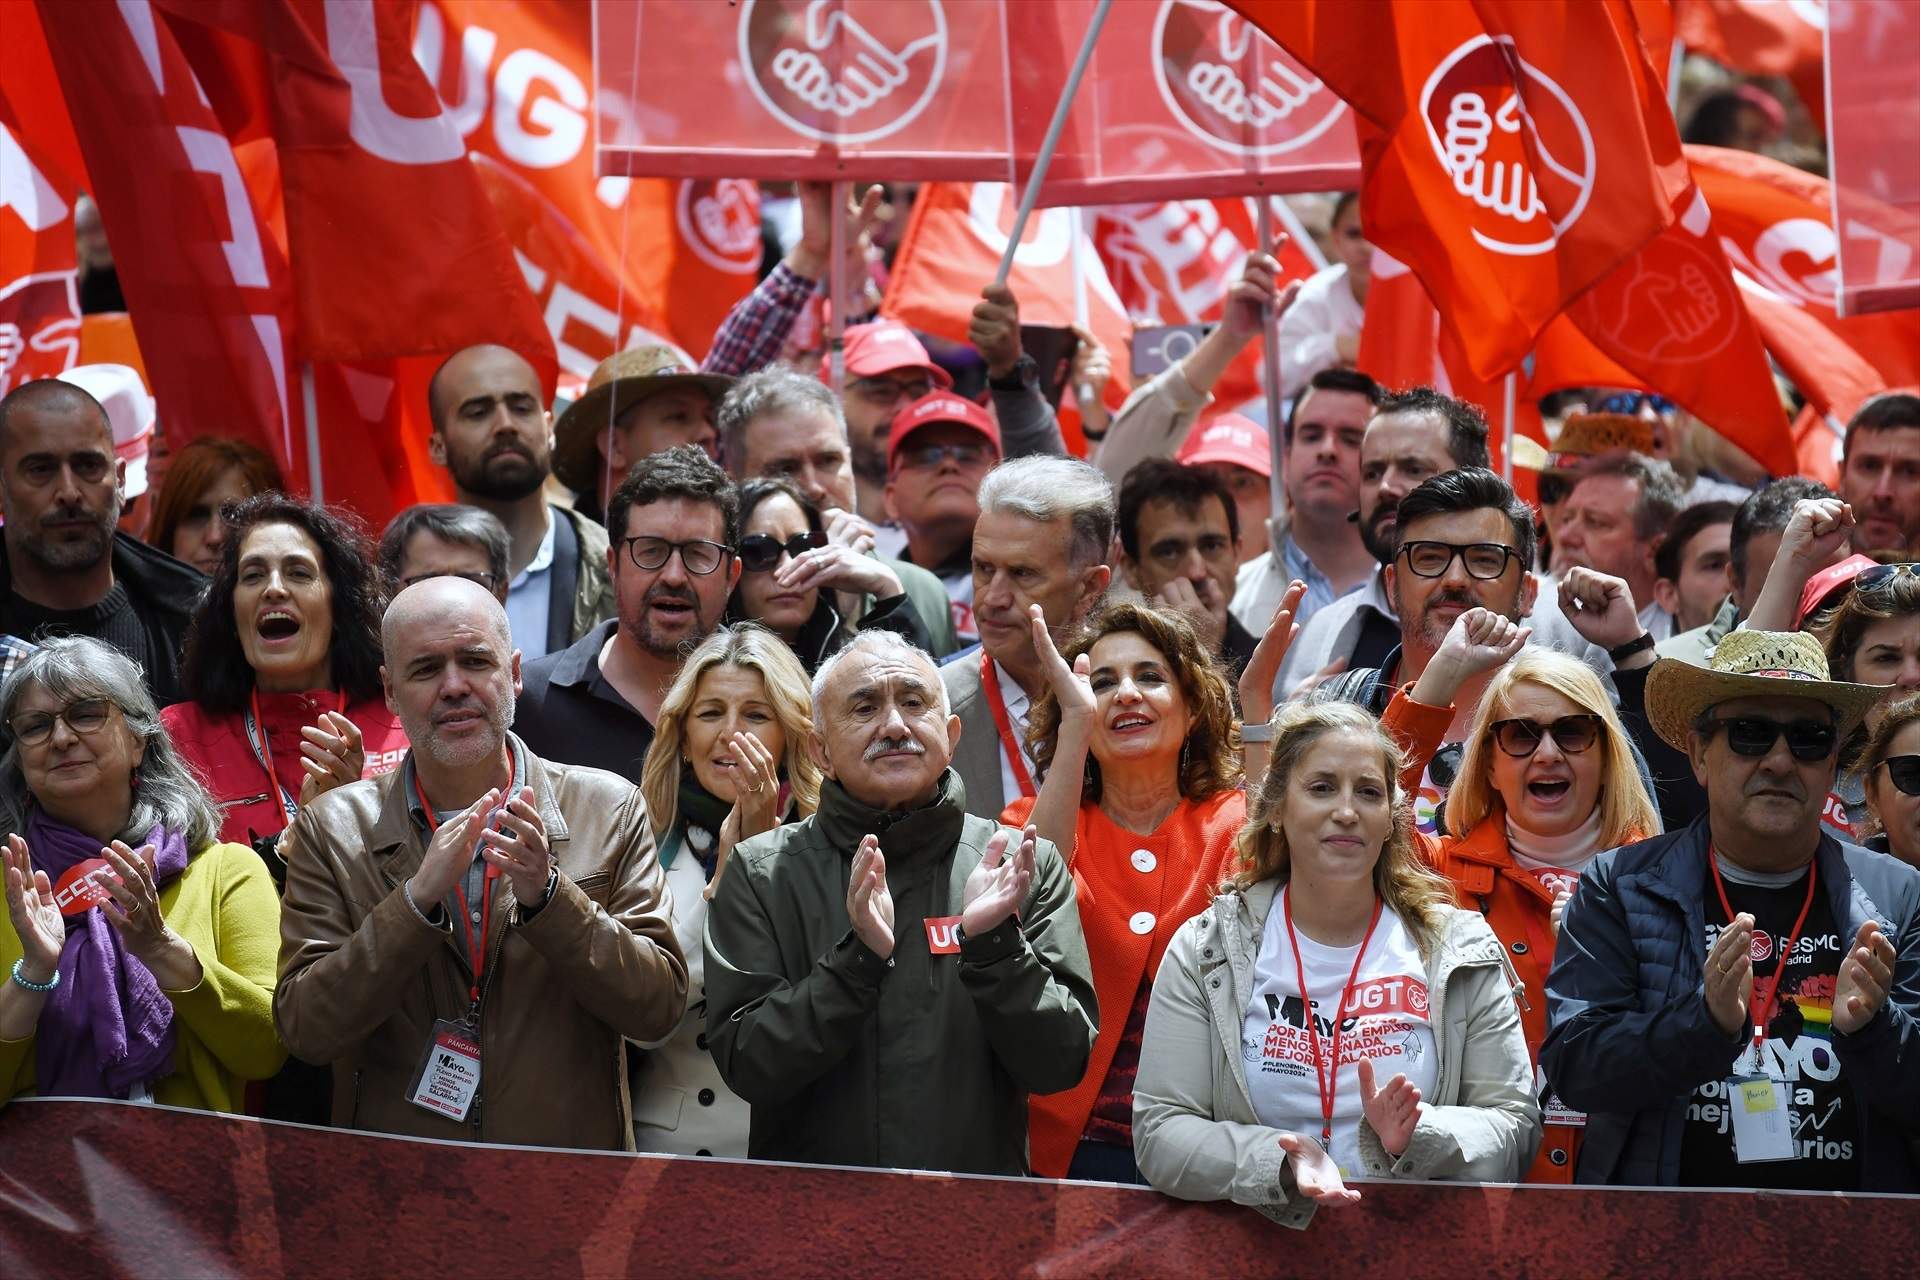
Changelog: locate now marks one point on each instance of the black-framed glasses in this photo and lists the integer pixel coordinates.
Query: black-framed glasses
(1904, 773)
(1572, 735)
(928, 457)
(1483, 560)
(1808, 740)
(760, 552)
(86, 717)
(481, 578)
(1632, 402)
(698, 555)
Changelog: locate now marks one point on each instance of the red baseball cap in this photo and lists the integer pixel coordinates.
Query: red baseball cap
(886, 345)
(937, 407)
(1232, 439)
(1828, 582)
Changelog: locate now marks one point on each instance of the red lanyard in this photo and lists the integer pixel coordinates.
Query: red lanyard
(280, 793)
(1763, 1003)
(1329, 1078)
(990, 681)
(476, 946)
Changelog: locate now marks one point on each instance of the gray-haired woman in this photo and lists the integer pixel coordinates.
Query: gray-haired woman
(139, 952)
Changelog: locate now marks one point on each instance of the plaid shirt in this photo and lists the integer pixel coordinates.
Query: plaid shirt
(754, 331)
(13, 651)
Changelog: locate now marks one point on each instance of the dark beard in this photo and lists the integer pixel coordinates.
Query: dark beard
(504, 477)
(1379, 538)
(72, 556)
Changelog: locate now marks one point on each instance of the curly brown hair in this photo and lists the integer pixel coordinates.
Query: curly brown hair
(1402, 878)
(1210, 762)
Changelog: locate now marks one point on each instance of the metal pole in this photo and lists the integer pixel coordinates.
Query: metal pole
(1270, 375)
(309, 408)
(1047, 144)
(1506, 444)
(837, 290)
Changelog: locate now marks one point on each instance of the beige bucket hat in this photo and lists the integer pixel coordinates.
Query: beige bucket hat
(623, 380)
(1748, 664)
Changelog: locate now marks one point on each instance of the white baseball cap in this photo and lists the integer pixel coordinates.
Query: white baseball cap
(130, 410)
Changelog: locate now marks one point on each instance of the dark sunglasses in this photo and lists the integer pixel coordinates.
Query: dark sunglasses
(1808, 740)
(1484, 561)
(1882, 576)
(1571, 734)
(760, 552)
(1904, 773)
(1631, 402)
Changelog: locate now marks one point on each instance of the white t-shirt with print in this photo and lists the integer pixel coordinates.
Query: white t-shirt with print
(1384, 1020)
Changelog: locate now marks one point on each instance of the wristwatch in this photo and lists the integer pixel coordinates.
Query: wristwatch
(1024, 376)
(1639, 644)
(530, 909)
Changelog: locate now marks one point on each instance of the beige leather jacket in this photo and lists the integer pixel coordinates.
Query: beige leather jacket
(363, 977)
(1195, 1134)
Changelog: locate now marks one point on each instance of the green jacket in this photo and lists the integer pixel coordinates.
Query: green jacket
(923, 1061)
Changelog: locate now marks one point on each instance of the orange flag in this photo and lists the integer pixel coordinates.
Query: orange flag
(1514, 151)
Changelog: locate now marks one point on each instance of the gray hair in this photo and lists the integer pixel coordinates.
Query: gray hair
(449, 522)
(1045, 488)
(774, 389)
(1662, 492)
(75, 667)
(889, 643)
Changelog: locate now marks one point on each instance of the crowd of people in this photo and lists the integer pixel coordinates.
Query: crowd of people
(741, 768)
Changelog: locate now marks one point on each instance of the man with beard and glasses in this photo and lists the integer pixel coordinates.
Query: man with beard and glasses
(63, 569)
(1413, 435)
(889, 978)
(674, 522)
(472, 939)
(492, 432)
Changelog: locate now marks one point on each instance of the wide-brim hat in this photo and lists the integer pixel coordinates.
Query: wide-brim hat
(1751, 664)
(1585, 436)
(623, 380)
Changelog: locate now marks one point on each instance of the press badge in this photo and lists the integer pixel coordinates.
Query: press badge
(449, 1076)
(1762, 1129)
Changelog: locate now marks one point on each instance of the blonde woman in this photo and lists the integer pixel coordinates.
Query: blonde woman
(728, 761)
(1547, 782)
(1331, 1014)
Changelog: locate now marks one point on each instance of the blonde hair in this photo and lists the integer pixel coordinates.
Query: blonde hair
(1412, 889)
(1627, 813)
(750, 647)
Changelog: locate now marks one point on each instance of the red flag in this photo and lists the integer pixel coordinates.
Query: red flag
(1514, 152)
(1762, 38)
(1183, 99)
(40, 178)
(610, 261)
(1873, 47)
(885, 89)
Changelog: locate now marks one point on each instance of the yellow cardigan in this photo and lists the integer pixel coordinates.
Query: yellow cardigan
(224, 904)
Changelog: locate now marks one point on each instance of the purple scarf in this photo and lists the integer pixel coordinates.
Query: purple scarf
(108, 1026)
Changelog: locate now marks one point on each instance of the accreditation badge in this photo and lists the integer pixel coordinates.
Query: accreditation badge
(449, 1077)
(1762, 1129)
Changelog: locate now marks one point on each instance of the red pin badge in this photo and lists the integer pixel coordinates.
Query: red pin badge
(84, 886)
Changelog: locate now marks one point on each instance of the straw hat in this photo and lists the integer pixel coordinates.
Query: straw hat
(1746, 664)
(623, 380)
(1587, 435)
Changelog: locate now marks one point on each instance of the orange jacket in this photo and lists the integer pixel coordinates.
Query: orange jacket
(1117, 889)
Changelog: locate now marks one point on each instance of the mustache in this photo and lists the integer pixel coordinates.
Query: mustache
(1441, 599)
(63, 512)
(506, 447)
(887, 746)
(449, 709)
(1789, 784)
(679, 595)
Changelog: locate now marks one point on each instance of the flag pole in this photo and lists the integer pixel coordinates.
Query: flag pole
(1270, 372)
(837, 289)
(309, 408)
(1054, 129)
(1506, 446)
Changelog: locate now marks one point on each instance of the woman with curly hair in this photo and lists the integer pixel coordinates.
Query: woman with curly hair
(1137, 749)
(282, 670)
(1331, 1014)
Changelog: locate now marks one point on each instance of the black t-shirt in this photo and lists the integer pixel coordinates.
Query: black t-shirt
(1798, 1049)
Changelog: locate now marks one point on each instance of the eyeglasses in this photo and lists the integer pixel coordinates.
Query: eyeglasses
(699, 556)
(928, 457)
(760, 552)
(1904, 773)
(1808, 740)
(479, 577)
(85, 717)
(1882, 576)
(1631, 402)
(1571, 734)
(885, 391)
(1483, 560)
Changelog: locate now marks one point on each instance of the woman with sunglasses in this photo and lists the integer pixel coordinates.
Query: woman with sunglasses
(1547, 782)
(729, 761)
(1889, 770)
(789, 572)
(138, 954)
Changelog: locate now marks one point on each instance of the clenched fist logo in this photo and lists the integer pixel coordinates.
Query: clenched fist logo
(843, 71)
(1234, 88)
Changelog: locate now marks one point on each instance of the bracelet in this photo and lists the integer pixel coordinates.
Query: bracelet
(38, 988)
(1639, 644)
(1259, 731)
